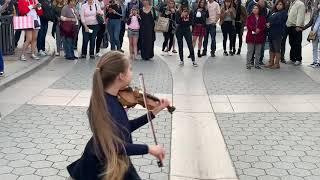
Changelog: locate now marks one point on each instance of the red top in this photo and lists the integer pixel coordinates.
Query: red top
(252, 25)
(23, 7)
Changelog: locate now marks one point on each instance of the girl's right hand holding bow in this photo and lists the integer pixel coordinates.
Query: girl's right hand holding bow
(157, 151)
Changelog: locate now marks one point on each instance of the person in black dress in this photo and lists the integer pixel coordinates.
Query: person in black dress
(106, 155)
(147, 30)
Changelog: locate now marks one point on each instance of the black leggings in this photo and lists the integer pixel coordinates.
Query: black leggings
(100, 36)
(186, 33)
(168, 37)
(228, 29)
(239, 31)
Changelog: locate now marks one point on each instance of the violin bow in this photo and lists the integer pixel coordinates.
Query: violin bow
(143, 87)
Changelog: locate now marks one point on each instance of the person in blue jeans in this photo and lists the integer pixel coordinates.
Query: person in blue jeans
(114, 13)
(1, 64)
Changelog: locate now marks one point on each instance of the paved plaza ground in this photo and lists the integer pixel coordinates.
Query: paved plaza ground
(230, 123)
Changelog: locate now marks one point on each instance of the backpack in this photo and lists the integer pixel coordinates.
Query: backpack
(48, 11)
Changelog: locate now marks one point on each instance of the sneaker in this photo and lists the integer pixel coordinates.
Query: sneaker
(297, 63)
(42, 53)
(257, 67)
(194, 64)
(23, 58)
(213, 54)
(231, 53)
(316, 65)
(225, 53)
(1, 73)
(83, 56)
(92, 57)
(98, 54)
(204, 53)
(33, 56)
(57, 54)
(290, 62)
(181, 63)
(311, 65)
(174, 51)
(248, 67)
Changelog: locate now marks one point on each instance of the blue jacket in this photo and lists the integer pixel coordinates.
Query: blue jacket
(277, 22)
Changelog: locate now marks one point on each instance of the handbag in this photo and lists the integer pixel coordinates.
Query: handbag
(68, 29)
(36, 24)
(162, 24)
(312, 36)
(99, 17)
(23, 22)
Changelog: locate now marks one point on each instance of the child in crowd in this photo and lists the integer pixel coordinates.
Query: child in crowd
(133, 32)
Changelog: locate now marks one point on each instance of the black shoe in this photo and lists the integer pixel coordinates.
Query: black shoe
(261, 63)
(75, 57)
(239, 52)
(204, 53)
(231, 53)
(225, 53)
(257, 67)
(189, 56)
(121, 50)
(92, 57)
(83, 56)
(69, 58)
(283, 61)
(213, 54)
(248, 67)
(199, 54)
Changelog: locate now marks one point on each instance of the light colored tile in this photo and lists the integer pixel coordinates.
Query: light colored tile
(45, 100)
(80, 101)
(85, 94)
(287, 98)
(252, 107)
(197, 136)
(219, 98)
(185, 103)
(6, 109)
(247, 99)
(316, 105)
(313, 98)
(222, 108)
(59, 92)
(295, 107)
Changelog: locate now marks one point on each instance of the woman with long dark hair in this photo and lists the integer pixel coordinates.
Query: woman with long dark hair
(276, 24)
(184, 21)
(147, 34)
(169, 12)
(106, 155)
(199, 25)
(240, 22)
(227, 22)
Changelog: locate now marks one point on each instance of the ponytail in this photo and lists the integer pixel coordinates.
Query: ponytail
(107, 142)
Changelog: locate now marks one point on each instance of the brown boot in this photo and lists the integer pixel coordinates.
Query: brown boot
(276, 64)
(271, 60)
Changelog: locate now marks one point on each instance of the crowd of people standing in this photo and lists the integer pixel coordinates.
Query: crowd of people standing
(105, 21)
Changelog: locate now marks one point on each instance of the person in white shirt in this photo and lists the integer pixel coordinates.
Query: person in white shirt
(295, 24)
(213, 9)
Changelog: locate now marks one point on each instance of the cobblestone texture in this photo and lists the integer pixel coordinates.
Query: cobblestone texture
(267, 146)
(38, 142)
(157, 76)
(240, 81)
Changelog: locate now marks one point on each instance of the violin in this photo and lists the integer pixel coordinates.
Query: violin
(130, 97)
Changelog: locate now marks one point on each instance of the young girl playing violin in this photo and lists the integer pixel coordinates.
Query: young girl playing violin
(106, 155)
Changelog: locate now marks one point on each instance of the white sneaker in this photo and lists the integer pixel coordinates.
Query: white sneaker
(181, 63)
(98, 54)
(23, 58)
(290, 62)
(297, 63)
(33, 56)
(42, 53)
(1, 74)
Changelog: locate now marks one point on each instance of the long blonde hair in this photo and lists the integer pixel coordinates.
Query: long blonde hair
(108, 144)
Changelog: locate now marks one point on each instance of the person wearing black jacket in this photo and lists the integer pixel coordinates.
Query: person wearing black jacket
(184, 21)
(114, 13)
(200, 16)
(169, 12)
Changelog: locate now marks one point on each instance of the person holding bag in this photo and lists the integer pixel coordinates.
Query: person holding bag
(227, 22)
(314, 35)
(33, 9)
(69, 21)
(169, 12)
(114, 15)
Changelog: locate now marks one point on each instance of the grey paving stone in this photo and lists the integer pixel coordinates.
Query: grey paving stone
(240, 81)
(8, 176)
(282, 153)
(49, 151)
(29, 177)
(268, 177)
(80, 76)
